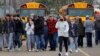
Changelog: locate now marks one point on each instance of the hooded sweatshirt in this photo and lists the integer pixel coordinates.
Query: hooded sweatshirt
(63, 28)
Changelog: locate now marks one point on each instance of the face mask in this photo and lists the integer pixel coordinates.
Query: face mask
(61, 19)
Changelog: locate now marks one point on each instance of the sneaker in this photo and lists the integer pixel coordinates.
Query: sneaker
(33, 50)
(11, 50)
(19, 49)
(70, 50)
(66, 54)
(52, 50)
(36, 50)
(60, 54)
(0, 49)
(29, 50)
(76, 51)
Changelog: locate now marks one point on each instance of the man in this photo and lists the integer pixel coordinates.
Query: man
(97, 30)
(88, 30)
(39, 32)
(1, 34)
(9, 31)
(18, 27)
(52, 32)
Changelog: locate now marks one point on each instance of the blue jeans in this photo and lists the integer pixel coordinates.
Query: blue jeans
(76, 42)
(17, 39)
(30, 41)
(10, 43)
(46, 36)
(53, 40)
(1, 41)
(5, 40)
(40, 41)
(73, 43)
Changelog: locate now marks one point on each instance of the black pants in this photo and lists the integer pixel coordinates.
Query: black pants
(89, 39)
(97, 39)
(61, 40)
(80, 41)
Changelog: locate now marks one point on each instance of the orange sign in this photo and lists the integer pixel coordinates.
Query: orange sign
(32, 5)
(79, 5)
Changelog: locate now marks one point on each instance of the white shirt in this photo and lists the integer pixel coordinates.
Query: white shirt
(63, 28)
(29, 29)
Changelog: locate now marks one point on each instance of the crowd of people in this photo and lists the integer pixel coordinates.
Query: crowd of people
(40, 32)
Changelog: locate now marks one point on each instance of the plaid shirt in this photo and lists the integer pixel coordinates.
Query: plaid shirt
(51, 26)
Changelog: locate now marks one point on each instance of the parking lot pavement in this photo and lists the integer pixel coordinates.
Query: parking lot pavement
(94, 51)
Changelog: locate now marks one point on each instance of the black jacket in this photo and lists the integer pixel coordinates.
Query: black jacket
(8, 26)
(39, 26)
(18, 26)
(97, 25)
(1, 27)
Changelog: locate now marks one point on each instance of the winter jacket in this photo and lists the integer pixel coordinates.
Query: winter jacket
(1, 27)
(29, 29)
(8, 26)
(18, 26)
(81, 29)
(88, 26)
(51, 26)
(39, 26)
(74, 29)
(97, 25)
(63, 28)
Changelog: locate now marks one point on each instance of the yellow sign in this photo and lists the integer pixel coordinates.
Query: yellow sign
(32, 5)
(79, 5)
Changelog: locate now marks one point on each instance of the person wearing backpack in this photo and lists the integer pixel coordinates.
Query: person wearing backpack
(97, 30)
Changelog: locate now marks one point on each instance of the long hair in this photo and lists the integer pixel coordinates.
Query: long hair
(28, 21)
(64, 18)
(80, 20)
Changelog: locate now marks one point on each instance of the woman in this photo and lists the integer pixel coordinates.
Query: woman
(29, 32)
(74, 35)
(63, 34)
(81, 32)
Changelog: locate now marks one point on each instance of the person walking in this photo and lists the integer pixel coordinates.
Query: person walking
(97, 31)
(88, 30)
(63, 34)
(9, 31)
(30, 34)
(18, 27)
(74, 35)
(81, 32)
(39, 32)
(52, 32)
(1, 33)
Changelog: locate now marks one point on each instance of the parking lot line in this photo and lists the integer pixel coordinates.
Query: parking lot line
(86, 54)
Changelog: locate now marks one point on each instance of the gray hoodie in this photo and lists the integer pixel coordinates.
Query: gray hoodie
(88, 26)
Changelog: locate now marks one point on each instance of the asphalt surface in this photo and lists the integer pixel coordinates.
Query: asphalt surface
(94, 51)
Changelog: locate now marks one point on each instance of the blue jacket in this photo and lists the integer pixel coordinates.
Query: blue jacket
(8, 26)
(74, 30)
(88, 26)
